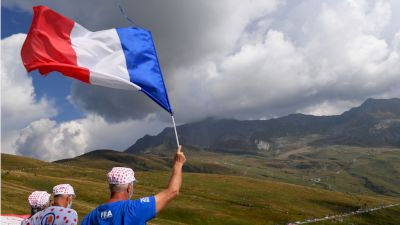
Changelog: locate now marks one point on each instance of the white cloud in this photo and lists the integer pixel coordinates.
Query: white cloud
(341, 60)
(246, 80)
(328, 108)
(119, 136)
(44, 139)
(19, 105)
(48, 140)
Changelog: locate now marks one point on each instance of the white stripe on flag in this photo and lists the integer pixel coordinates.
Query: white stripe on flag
(102, 54)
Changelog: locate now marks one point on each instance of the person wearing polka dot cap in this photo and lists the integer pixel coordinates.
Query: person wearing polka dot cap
(60, 213)
(38, 201)
(119, 209)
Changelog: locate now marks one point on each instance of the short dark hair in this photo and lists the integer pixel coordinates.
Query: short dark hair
(36, 210)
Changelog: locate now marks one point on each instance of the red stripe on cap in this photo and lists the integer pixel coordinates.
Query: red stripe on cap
(48, 47)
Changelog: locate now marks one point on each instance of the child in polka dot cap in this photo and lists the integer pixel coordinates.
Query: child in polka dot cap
(38, 201)
(60, 213)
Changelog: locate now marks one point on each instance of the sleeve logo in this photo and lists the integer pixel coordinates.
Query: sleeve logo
(106, 214)
(145, 200)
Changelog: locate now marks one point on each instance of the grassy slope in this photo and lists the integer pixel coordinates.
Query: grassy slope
(337, 168)
(204, 199)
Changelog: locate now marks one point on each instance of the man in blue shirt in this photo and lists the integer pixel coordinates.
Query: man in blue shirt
(120, 210)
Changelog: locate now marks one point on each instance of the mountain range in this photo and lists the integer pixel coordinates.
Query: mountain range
(375, 123)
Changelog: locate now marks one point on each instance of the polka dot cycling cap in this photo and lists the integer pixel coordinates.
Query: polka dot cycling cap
(121, 175)
(39, 199)
(63, 189)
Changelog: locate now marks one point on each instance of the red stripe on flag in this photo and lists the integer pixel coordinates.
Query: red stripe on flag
(48, 47)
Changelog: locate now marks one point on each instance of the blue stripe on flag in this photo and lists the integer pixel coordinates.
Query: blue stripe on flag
(143, 66)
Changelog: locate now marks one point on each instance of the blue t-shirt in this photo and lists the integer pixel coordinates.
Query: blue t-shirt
(136, 212)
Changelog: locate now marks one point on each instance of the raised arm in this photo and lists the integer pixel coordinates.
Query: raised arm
(174, 185)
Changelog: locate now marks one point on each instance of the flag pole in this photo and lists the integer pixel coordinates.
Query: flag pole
(176, 133)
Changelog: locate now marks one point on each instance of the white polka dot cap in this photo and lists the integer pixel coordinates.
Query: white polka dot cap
(121, 175)
(39, 199)
(63, 189)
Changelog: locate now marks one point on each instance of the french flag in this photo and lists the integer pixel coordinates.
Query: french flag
(122, 58)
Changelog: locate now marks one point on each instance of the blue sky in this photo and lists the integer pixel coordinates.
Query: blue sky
(243, 59)
(14, 21)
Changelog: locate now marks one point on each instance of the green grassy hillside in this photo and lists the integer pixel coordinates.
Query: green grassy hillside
(337, 168)
(204, 199)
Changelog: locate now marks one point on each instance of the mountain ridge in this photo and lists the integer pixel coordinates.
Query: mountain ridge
(376, 122)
